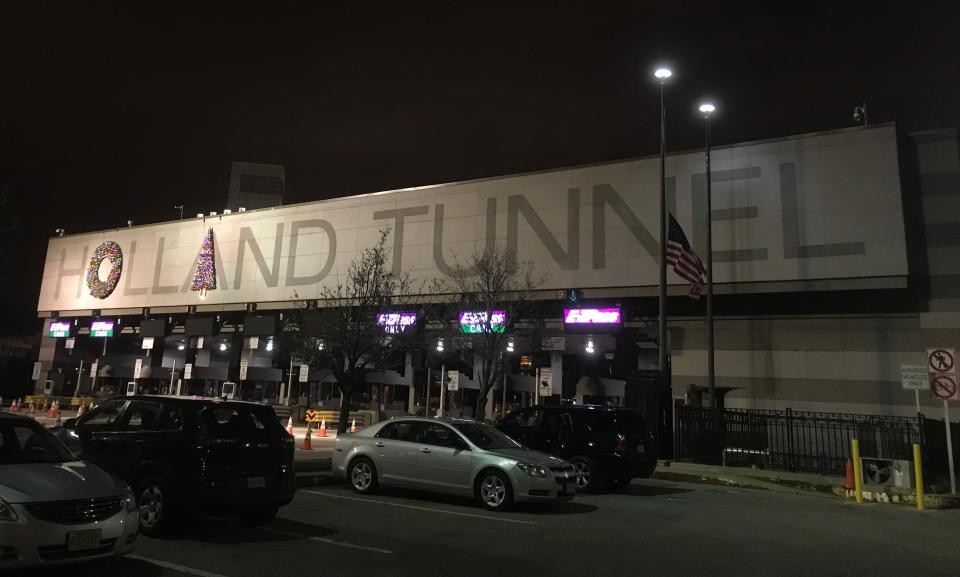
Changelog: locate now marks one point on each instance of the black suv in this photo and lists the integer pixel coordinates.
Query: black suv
(186, 454)
(608, 446)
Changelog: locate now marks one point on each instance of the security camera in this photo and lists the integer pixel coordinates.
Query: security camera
(129, 223)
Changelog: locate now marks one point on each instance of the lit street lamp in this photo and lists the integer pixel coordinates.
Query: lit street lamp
(663, 74)
(707, 109)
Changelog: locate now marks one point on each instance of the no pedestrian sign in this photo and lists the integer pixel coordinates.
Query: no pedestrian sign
(942, 364)
(942, 360)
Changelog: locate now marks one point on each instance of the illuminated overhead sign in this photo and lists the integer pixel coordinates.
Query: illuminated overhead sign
(396, 322)
(101, 329)
(607, 316)
(59, 330)
(476, 322)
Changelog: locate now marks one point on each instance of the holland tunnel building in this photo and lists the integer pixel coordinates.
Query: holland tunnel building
(835, 263)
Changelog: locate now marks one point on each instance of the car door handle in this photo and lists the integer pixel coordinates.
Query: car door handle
(424, 450)
(378, 444)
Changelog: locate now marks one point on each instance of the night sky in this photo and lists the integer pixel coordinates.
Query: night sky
(117, 112)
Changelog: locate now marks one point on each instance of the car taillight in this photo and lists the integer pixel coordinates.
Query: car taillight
(620, 445)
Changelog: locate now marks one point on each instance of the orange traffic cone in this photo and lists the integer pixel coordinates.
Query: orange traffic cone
(848, 481)
(13, 406)
(353, 425)
(307, 443)
(55, 410)
(290, 426)
(322, 432)
(46, 406)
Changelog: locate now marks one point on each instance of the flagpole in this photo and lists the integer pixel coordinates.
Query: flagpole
(706, 109)
(662, 75)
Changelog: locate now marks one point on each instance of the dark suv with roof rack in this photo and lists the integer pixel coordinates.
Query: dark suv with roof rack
(184, 454)
(609, 446)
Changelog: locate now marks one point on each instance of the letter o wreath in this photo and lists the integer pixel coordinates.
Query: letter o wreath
(101, 289)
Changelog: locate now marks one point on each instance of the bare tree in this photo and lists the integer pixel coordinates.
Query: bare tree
(496, 291)
(339, 332)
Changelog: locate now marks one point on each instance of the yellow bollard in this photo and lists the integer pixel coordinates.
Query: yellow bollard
(918, 475)
(857, 470)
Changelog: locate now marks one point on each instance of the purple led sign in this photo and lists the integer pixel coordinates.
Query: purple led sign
(607, 316)
(396, 322)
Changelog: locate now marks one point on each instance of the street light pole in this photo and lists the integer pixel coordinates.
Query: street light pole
(662, 74)
(708, 109)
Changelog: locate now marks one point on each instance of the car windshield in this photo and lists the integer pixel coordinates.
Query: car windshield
(485, 436)
(26, 441)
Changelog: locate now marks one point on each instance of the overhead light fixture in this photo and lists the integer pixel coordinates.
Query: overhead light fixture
(510, 346)
(241, 209)
(223, 346)
(227, 211)
(181, 346)
(60, 232)
(707, 108)
(439, 345)
(663, 73)
(320, 345)
(199, 215)
(213, 213)
(270, 345)
(589, 348)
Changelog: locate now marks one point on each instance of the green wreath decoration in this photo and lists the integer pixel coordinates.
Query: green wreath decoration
(101, 289)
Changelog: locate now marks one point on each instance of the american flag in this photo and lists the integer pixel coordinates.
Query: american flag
(684, 261)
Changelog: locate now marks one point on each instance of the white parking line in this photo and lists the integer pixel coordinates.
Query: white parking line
(328, 541)
(418, 508)
(175, 567)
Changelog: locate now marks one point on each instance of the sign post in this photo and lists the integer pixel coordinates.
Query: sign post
(942, 365)
(443, 387)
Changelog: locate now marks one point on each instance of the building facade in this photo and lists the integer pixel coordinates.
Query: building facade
(835, 261)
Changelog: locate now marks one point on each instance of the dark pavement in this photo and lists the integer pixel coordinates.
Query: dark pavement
(654, 528)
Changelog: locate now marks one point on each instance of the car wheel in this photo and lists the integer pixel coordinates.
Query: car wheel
(258, 515)
(153, 503)
(494, 491)
(363, 475)
(588, 475)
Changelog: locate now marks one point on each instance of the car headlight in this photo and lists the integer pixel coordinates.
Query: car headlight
(6, 512)
(129, 501)
(533, 470)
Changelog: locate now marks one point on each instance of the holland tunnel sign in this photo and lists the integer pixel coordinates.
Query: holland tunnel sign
(782, 211)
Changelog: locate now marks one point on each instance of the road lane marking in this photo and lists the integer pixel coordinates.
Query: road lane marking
(418, 508)
(328, 541)
(175, 567)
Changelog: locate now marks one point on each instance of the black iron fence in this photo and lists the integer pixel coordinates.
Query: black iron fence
(789, 440)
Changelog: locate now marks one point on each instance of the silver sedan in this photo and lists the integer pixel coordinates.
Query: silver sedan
(456, 456)
(53, 508)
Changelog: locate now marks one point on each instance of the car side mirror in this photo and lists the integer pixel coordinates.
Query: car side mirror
(70, 424)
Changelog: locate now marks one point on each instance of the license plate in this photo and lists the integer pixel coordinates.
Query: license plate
(83, 540)
(256, 483)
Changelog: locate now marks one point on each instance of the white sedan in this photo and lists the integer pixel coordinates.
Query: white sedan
(53, 508)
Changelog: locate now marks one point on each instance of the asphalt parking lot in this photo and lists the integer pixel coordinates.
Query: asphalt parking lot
(654, 527)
